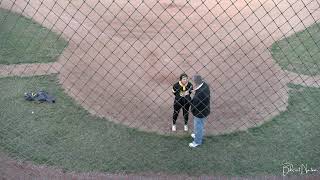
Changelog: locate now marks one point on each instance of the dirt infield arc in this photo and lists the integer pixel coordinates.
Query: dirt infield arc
(123, 57)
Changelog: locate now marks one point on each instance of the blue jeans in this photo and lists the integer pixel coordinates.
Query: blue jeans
(198, 129)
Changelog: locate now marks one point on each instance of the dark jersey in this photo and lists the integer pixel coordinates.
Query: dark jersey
(179, 89)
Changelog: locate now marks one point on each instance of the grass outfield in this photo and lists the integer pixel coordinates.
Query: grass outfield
(299, 52)
(25, 41)
(65, 135)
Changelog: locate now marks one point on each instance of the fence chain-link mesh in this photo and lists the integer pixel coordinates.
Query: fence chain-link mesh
(120, 59)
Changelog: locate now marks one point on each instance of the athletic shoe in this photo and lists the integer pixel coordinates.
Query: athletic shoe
(193, 135)
(193, 145)
(174, 127)
(185, 127)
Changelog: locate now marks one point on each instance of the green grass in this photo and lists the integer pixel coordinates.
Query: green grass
(300, 52)
(65, 135)
(25, 41)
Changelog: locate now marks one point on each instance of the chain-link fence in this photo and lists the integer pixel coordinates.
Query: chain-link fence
(120, 59)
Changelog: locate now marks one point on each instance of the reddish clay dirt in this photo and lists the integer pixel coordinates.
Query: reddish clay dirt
(123, 58)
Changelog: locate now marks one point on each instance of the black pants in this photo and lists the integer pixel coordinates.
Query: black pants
(183, 103)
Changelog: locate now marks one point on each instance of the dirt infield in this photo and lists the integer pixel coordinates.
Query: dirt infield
(123, 58)
(122, 68)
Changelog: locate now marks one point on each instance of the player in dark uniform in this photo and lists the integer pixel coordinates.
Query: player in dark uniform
(182, 91)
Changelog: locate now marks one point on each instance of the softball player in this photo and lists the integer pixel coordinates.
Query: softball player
(182, 91)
